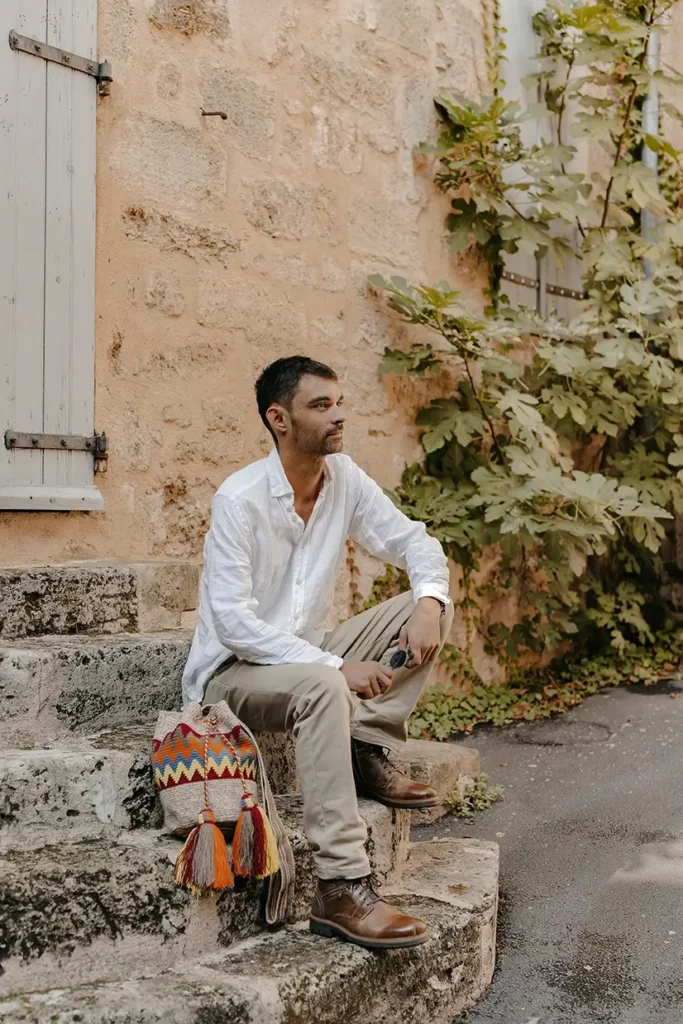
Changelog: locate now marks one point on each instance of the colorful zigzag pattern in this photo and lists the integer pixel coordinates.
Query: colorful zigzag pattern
(179, 757)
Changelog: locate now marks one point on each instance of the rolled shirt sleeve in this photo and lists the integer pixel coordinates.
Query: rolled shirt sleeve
(234, 609)
(389, 534)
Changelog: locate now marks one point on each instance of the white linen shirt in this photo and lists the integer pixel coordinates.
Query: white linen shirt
(268, 581)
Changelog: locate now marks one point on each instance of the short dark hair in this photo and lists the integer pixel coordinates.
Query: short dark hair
(280, 381)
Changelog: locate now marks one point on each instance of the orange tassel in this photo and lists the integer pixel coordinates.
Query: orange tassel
(203, 862)
(254, 847)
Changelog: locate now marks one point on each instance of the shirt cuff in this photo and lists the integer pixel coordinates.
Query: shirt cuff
(334, 660)
(430, 590)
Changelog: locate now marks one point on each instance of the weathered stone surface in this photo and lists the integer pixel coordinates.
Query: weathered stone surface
(95, 597)
(166, 590)
(172, 234)
(333, 278)
(460, 51)
(337, 141)
(191, 17)
(382, 225)
(356, 87)
(67, 599)
(95, 910)
(249, 106)
(170, 162)
(293, 976)
(51, 686)
(165, 293)
(289, 209)
(406, 22)
(445, 766)
(49, 795)
(90, 786)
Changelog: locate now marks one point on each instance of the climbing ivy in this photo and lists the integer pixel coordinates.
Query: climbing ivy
(533, 695)
(557, 451)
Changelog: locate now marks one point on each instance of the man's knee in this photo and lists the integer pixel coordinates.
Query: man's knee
(328, 687)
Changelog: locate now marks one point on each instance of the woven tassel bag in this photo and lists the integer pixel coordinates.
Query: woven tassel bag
(211, 779)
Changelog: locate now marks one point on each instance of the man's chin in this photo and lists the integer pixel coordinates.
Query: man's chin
(334, 444)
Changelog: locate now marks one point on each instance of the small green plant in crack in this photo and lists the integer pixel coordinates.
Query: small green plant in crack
(478, 797)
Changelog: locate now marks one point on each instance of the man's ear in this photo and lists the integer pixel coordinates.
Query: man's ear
(278, 419)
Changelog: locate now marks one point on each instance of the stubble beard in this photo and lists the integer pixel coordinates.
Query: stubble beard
(310, 443)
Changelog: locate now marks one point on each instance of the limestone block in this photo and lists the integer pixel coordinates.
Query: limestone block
(169, 81)
(103, 909)
(168, 233)
(95, 597)
(445, 766)
(406, 22)
(165, 591)
(67, 599)
(80, 789)
(169, 162)
(382, 225)
(461, 57)
(51, 686)
(88, 787)
(283, 208)
(328, 330)
(333, 278)
(295, 268)
(164, 292)
(179, 415)
(249, 105)
(337, 141)
(268, 28)
(192, 17)
(292, 975)
(352, 85)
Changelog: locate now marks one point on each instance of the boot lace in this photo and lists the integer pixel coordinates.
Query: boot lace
(365, 891)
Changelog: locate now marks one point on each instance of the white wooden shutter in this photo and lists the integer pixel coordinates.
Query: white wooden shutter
(47, 254)
(548, 283)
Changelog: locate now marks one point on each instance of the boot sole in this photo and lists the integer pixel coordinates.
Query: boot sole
(399, 805)
(335, 931)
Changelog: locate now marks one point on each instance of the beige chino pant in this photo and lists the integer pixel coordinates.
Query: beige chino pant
(315, 703)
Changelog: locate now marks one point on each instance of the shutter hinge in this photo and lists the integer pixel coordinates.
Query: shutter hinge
(101, 71)
(98, 444)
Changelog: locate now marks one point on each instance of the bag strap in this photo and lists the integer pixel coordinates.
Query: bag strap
(280, 886)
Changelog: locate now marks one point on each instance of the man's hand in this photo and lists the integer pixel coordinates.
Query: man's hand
(367, 678)
(422, 632)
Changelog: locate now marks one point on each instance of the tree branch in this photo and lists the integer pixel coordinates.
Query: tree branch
(477, 399)
(627, 120)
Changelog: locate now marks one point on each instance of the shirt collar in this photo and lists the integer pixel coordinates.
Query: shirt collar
(277, 478)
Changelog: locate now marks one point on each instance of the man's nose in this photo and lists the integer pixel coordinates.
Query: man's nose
(338, 416)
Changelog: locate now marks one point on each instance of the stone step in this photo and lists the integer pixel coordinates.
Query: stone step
(96, 597)
(52, 686)
(89, 787)
(292, 977)
(103, 909)
(448, 767)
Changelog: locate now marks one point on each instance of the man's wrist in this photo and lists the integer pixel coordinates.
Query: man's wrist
(431, 604)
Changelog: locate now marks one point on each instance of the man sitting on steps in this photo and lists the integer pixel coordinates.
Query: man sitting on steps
(278, 530)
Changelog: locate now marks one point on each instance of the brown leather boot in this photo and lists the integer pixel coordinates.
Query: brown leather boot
(350, 909)
(377, 778)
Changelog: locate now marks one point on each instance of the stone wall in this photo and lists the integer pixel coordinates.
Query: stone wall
(225, 243)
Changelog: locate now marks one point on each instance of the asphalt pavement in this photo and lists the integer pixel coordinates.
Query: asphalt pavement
(590, 828)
